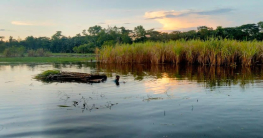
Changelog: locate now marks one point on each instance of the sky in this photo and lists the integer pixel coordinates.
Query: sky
(22, 18)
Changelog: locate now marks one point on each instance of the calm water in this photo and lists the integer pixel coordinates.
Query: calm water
(156, 101)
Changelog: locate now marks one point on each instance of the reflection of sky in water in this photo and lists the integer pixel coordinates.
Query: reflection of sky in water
(165, 103)
(166, 84)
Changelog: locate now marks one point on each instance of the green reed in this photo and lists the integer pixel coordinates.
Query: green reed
(212, 51)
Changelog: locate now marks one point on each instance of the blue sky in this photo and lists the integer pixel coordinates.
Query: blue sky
(21, 18)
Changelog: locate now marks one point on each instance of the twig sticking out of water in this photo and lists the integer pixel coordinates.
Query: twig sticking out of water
(75, 103)
(149, 98)
(64, 97)
(166, 92)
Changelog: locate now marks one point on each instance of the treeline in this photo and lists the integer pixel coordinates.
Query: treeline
(96, 37)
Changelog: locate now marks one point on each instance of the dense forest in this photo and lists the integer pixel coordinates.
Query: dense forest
(96, 36)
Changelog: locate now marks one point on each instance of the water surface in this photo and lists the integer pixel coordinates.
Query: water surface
(155, 101)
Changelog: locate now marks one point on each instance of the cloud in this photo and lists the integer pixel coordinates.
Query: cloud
(5, 30)
(29, 23)
(175, 14)
(127, 23)
(209, 12)
(101, 23)
(181, 20)
(215, 12)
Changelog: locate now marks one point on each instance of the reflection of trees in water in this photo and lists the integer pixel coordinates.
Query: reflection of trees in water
(210, 76)
(78, 65)
(32, 66)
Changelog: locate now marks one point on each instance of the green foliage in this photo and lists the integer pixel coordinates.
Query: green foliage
(2, 48)
(85, 48)
(96, 37)
(38, 53)
(109, 43)
(139, 31)
(45, 74)
(95, 30)
(14, 51)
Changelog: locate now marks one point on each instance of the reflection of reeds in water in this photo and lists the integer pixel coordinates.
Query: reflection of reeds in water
(210, 76)
(212, 52)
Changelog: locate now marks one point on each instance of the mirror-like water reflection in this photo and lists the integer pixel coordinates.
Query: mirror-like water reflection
(210, 76)
(150, 101)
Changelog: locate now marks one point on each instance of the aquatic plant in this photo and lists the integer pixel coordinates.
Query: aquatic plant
(212, 51)
(45, 74)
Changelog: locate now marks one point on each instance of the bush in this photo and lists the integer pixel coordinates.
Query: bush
(14, 51)
(85, 48)
(31, 53)
(2, 48)
(38, 53)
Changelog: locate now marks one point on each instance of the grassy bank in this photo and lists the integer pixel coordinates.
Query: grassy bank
(212, 52)
(46, 59)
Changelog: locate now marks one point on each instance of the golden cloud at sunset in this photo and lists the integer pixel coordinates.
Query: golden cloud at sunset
(176, 20)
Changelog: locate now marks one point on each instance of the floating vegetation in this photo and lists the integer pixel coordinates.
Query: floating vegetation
(63, 106)
(212, 51)
(150, 98)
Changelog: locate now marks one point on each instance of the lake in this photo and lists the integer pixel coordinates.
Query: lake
(150, 101)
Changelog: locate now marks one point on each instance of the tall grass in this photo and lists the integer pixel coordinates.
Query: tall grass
(38, 53)
(212, 52)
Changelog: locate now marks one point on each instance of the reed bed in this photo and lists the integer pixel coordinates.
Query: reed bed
(212, 52)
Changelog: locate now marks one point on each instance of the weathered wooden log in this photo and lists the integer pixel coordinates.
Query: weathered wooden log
(78, 77)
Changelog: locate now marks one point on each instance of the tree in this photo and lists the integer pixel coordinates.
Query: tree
(260, 26)
(139, 31)
(251, 30)
(204, 32)
(57, 35)
(30, 42)
(96, 36)
(175, 35)
(94, 30)
(125, 31)
(219, 32)
(1, 38)
(10, 41)
(56, 43)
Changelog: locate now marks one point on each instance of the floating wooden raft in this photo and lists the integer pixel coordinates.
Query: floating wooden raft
(77, 77)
